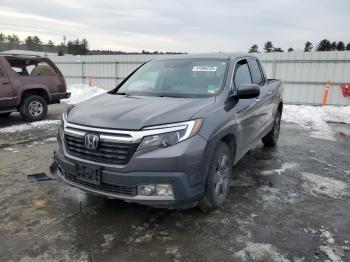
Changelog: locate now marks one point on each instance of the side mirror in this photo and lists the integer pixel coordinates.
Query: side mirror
(247, 91)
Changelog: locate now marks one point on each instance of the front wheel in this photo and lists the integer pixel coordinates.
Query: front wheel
(33, 108)
(219, 174)
(271, 138)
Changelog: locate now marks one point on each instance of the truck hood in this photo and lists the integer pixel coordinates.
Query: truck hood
(135, 112)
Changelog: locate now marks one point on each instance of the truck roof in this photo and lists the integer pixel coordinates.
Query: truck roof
(19, 55)
(217, 55)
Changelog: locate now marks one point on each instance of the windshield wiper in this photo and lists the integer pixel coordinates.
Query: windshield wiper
(122, 94)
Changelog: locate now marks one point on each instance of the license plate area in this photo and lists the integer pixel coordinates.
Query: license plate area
(88, 174)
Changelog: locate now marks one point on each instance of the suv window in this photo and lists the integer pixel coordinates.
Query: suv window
(242, 74)
(256, 72)
(31, 67)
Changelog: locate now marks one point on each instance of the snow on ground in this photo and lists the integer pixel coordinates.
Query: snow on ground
(279, 171)
(27, 126)
(320, 185)
(334, 251)
(80, 92)
(261, 252)
(316, 118)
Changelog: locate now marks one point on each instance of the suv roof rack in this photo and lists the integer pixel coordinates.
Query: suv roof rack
(19, 55)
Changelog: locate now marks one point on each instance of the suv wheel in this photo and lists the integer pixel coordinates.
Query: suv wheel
(271, 138)
(33, 108)
(219, 174)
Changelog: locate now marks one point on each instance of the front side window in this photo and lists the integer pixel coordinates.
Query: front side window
(242, 74)
(178, 78)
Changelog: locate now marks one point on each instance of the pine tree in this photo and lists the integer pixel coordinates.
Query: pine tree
(278, 49)
(268, 47)
(340, 46)
(254, 49)
(348, 47)
(13, 41)
(37, 43)
(324, 45)
(84, 47)
(2, 38)
(308, 47)
(29, 43)
(51, 46)
(333, 46)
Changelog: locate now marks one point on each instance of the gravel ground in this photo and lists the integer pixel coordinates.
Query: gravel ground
(289, 203)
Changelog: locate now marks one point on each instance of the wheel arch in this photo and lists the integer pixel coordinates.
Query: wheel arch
(36, 91)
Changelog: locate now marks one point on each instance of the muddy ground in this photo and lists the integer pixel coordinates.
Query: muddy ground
(289, 203)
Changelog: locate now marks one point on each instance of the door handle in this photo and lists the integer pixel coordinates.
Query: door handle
(5, 82)
(269, 92)
(257, 99)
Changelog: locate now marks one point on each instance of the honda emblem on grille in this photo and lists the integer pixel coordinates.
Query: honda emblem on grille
(91, 141)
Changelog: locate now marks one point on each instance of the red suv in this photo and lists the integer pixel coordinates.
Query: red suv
(28, 84)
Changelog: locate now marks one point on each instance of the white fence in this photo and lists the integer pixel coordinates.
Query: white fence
(304, 74)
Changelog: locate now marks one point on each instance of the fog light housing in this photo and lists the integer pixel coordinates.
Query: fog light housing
(164, 190)
(147, 190)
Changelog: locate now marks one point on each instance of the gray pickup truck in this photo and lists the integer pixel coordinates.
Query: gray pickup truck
(170, 133)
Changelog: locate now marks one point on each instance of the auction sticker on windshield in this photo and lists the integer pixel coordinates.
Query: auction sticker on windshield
(204, 68)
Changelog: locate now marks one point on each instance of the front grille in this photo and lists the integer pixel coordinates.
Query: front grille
(117, 189)
(107, 152)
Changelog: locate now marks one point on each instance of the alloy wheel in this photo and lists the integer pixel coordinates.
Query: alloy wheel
(36, 108)
(222, 177)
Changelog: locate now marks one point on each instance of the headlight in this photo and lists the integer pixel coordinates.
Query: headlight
(63, 118)
(184, 131)
(65, 114)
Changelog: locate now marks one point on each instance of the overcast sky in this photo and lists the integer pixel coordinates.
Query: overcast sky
(179, 25)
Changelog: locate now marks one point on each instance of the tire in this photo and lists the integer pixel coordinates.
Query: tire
(33, 108)
(218, 180)
(5, 114)
(271, 138)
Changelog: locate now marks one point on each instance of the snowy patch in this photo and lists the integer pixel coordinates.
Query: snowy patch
(174, 251)
(108, 239)
(316, 118)
(24, 127)
(333, 251)
(327, 235)
(272, 196)
(319, 185)
(284, 168)
(51, 139)
(81, 92)
(11, 149)
(331, 254)
(260, 252)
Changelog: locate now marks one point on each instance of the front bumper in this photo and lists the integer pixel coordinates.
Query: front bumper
(185, 196)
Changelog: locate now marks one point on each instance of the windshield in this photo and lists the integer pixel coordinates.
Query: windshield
(177, 78)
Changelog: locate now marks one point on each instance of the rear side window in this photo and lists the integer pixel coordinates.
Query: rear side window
(242, 74)
(256, 72)
(31, 67)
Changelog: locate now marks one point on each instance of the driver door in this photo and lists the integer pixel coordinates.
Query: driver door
(7, 98)
(248, 110)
